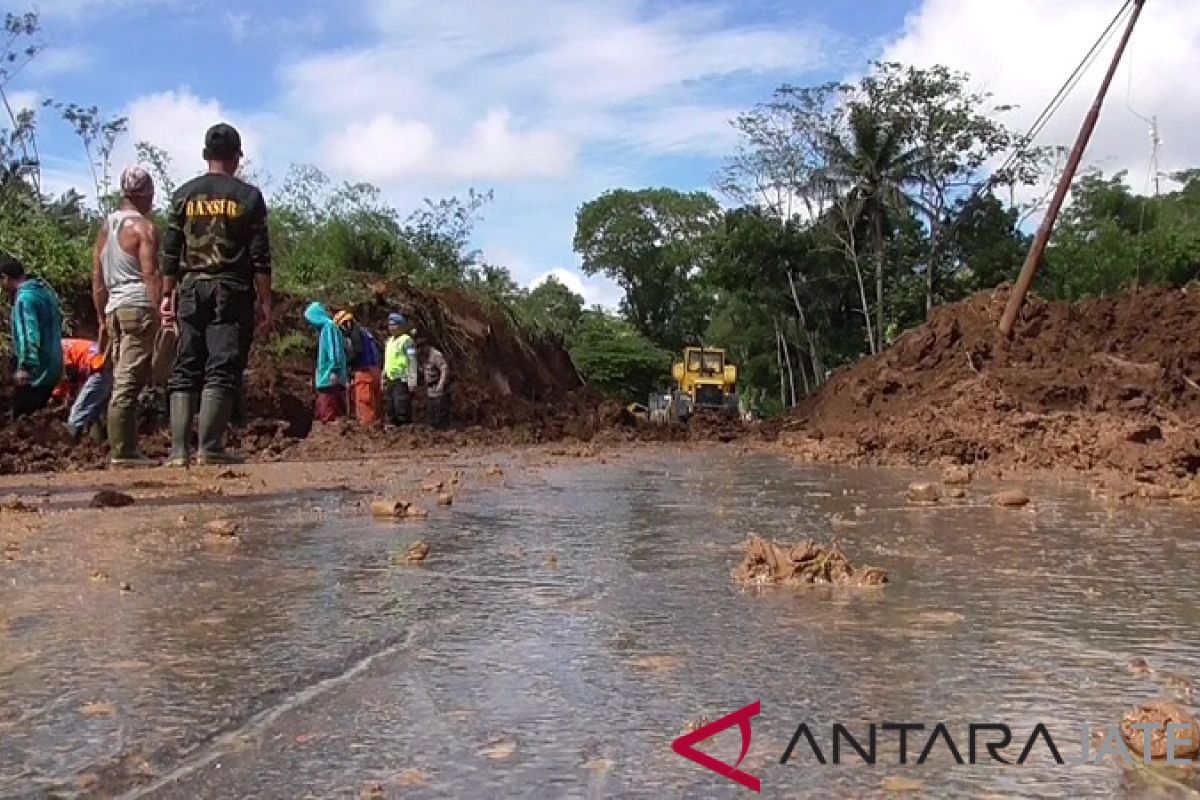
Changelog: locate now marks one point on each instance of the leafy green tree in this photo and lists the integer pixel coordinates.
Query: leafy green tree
(955, 133)
(439, 236)
(98, 134)
(1110, 239)
(158, 161)
(875, 163)
(984, 247)
(653, 243)
(496, 283)
(616, 359)
(554, 308)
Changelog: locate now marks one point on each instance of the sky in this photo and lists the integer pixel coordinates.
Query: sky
(549, 103)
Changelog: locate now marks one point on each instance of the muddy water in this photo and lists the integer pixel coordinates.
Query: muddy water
(567, 627)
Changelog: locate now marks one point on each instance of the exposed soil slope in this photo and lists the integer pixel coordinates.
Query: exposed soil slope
(516, 389)
(1112, 383)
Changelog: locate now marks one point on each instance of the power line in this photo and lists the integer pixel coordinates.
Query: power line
(1060, 97)
(1048, 113)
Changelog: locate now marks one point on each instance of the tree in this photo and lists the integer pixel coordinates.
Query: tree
(440, 234)
(98, 134)
(496, 283)
(782, 153)
(653, 243)
(20, 42)
(954, 133)
(554, 308)
(984, 247)
(873, 161)
(159, 163)
(1110, 239)
(616, 359)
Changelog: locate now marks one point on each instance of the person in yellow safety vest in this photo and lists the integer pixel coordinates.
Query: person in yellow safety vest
(399, 370)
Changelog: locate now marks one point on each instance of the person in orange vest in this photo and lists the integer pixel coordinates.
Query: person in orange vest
(88, 380)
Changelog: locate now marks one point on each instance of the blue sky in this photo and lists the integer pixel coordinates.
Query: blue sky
(547, 102)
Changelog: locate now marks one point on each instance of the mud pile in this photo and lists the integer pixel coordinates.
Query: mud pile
(499, 377)
(505, 389)
(1112, 383)
(769, 564)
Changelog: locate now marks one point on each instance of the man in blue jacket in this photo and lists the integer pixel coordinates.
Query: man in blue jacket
(36, 337)
(332, 377)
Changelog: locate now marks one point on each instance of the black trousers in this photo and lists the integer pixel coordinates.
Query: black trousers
(28, 400)
(216, 320)
(397, 402)
(438, 410)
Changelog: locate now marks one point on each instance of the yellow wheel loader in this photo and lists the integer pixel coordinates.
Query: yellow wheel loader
(705, 382)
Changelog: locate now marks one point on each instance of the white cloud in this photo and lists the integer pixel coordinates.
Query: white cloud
(176, 122)
(580, 74)
(386, 149)
(496, 151)
(54, 62)
(59, 177)
(24, 100)
(84, 10)
(681, 130)
(1023, 50)
(237, 24)
(593, 290)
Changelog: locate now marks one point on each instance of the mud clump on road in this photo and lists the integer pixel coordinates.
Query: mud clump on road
(1106, 384)
(924, 494)
(223, 528)
(770, 564)
(416, 553)
(1160, 715)
(1013, 498)
(108, 498)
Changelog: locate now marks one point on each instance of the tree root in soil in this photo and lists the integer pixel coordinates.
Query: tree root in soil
(770, 564)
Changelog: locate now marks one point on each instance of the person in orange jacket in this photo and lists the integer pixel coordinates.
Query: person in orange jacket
(364, 356)
(88, 380)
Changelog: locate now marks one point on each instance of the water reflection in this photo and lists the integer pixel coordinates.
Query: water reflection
(502, 674)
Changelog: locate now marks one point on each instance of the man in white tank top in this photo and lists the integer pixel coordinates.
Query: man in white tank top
(127, 292)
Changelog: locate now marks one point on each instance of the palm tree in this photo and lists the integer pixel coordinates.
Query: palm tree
(873, 163)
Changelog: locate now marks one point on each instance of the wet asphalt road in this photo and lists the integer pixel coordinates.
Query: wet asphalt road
(568, 626)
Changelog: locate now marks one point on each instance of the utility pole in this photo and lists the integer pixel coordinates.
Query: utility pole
(1033, 260)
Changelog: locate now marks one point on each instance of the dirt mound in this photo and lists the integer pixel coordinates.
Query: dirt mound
(769, 564)
(1160, 715)
(1103, 384)
(505, 388)
(498, 376)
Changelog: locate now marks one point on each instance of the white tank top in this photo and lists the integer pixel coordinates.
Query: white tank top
(122, 272)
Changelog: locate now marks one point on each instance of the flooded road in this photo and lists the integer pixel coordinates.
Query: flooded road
(569, 625)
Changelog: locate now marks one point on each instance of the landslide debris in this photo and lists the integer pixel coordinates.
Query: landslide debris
(508, 388)
(1160, 715)
(416, 553)
(1013, 498)
(770, 564)
(108, 498)
(1106, 384)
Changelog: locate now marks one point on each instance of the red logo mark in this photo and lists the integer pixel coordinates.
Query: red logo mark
(685, 745)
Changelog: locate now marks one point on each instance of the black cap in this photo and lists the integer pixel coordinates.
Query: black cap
(10, 266)
(222, 142)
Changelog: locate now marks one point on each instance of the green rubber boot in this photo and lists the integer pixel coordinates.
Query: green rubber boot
(183, 412)
(122, 440)
(216, 409)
